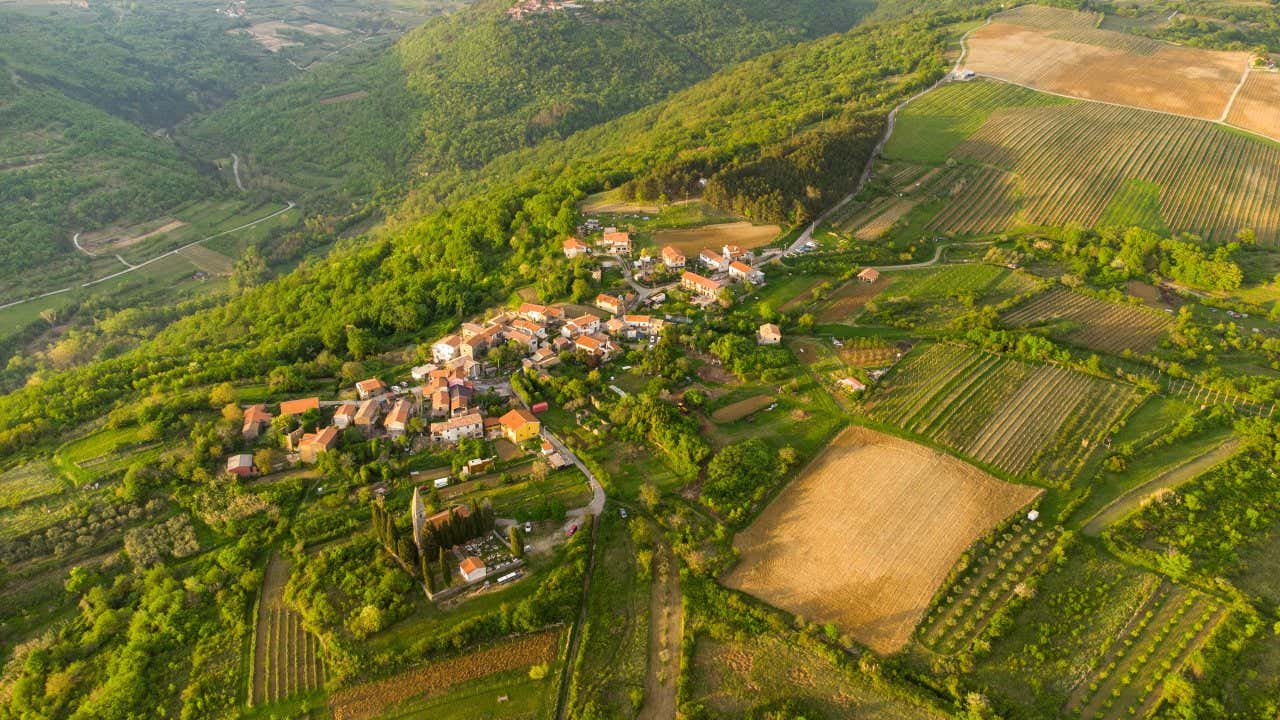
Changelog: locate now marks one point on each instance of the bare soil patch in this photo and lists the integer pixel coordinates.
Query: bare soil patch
(1186, 81)
(1257, 107)
(691, 241)
(866, 535)
(115, 240)
(742, 408)
(506, 450)
(348, 97)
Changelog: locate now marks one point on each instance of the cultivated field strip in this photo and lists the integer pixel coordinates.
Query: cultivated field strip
(286, 658)
(1039, 421)
(1204, 396)
(1111, 327)
(1171, 625)
(994, 572)
(1077, 26)
(1061, 164)
(1255, 108)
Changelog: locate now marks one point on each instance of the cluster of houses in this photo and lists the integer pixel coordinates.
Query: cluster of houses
(730, 264)
(533, 7)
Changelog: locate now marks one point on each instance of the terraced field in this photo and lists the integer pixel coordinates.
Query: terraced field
(1171, 625)
(995, 572)
(1102, 325)
(1039, 421)
(1062, 164)
(27, 482)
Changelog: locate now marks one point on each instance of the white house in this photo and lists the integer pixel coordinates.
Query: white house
(452, 430)
(446, 348)
(472, 569)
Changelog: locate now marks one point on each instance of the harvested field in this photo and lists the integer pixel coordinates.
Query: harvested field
(286, 657)
(742, 409)
(1257, 107)
(347, 97)
(109, 241)
(864, 537)
(1040, 421)
(691, 241)
(1060, 164)
(372, 699)
(1083, 62)
(611, 203)
(1110, 327)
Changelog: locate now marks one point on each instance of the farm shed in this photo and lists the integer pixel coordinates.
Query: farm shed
(240, 465)
(869, 275)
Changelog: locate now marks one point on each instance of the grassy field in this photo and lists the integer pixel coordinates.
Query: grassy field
(928, 129)
(810, 553)
(733, 678)
(1042, 422)
(28, 481)
(613, 656)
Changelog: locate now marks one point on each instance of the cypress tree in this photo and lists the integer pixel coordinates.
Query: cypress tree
(445, 570)
(427, 577)
(515, 541)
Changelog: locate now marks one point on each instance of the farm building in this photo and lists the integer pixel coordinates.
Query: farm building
(472, 569)
(397, 421)
(699, 285)
(297, 407)
(609, 304)
(852, 385)
(313, 444)
(452, 430)
(345, 415)
(367, 415)
(616, 241)
(241, 465)
(520, 425)
(768, 334)
(869, 275)
(744, 272)
(475, 466)
(373, 387)
(672, 257)
(573, 247)
(256, 419)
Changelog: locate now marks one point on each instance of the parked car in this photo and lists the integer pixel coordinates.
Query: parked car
(572, 529)
(622, 513)
(528, 527)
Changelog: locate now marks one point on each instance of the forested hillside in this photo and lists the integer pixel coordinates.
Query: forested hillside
(65, 163)
(462, 90)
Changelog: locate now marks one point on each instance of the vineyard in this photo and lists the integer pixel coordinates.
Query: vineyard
(1171, 625)
(1202, 396)
(1255, 106)
(868, 352)
(286, 658)
(372, 699)
(1077, 26)
(1058, 165)
(1059, 51)
(1035, 420)
(1102, 325)
(996, 572)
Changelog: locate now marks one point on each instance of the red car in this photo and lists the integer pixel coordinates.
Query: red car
(572, 529)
